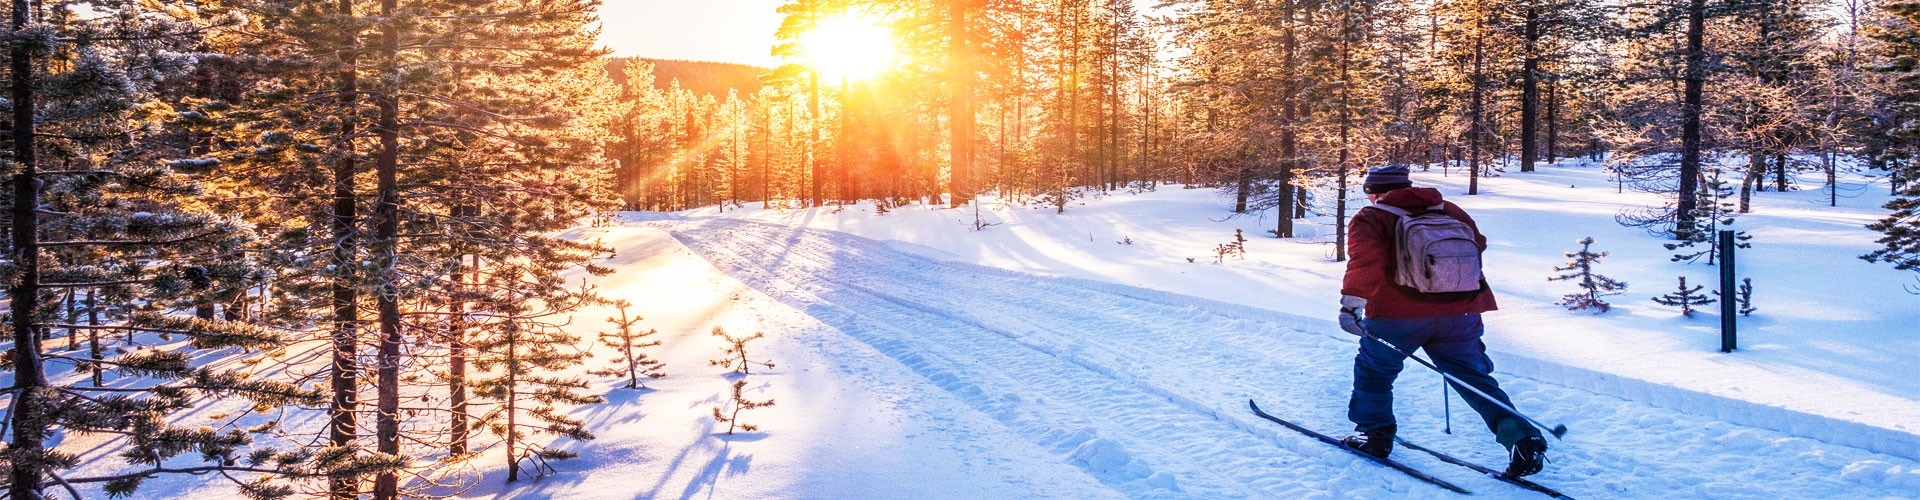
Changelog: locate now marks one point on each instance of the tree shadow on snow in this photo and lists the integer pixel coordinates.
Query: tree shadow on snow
(724, 462)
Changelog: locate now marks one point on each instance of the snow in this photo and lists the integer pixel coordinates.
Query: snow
(1145, 390)
(1040, 358)
(842, 426)
(1828, 347)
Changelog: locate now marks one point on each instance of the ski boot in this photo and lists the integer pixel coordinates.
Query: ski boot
(1527, 457)
(1377, 442)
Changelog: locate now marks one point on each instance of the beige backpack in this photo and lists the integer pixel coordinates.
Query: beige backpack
(1435, 252)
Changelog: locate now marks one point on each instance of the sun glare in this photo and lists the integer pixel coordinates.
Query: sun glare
(849, 46)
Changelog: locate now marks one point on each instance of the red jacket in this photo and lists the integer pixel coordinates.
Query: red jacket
(1370, 271)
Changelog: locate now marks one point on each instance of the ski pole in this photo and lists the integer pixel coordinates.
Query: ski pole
(1557, 430)
(1446, 403)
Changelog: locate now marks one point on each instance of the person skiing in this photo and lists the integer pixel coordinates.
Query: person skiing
(1379, 299)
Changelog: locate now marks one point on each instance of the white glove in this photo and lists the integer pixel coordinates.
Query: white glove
(1350, 307)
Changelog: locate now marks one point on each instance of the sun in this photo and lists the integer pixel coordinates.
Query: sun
(849, 46)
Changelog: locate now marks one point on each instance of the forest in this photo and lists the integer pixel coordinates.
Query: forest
(359, 205)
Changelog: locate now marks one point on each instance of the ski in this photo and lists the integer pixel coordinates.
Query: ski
(1502, 476)
(1382, 461)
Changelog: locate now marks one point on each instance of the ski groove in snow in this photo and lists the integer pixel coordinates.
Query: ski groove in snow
(1146, 395)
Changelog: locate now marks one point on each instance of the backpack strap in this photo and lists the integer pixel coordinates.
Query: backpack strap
(1441, 208)
(1392, 209)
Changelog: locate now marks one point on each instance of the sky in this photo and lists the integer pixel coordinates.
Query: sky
(736, 31)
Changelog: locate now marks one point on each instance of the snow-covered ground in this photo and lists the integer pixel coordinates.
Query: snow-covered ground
(1831, 347)
(1144, 391)
(1041, 358)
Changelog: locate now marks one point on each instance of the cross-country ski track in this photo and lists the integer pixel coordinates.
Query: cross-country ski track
(1146, 391)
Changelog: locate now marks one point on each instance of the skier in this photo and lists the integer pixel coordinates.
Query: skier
(1446, 325)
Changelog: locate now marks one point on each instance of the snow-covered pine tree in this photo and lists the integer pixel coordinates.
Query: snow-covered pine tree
(1685, 298)
(734, 356)
(1579, 268)
(521, 358)
(483, 125)
(629, 343)
(740, 403)
(103, 206)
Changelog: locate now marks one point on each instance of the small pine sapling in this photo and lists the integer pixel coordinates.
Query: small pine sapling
(1746, 297)
(740, 402)
(735, 357)
(1237, 248)
(1712, 210)
(1742, 297)
(1685, 298)
(1580, 267)
(630, 362)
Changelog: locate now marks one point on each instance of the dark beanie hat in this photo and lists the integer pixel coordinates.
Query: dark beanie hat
(1388, 178)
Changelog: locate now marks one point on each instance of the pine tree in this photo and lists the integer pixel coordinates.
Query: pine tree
(1595, 286)
(1745, 294)
(1900, 230)
(734, 356)
(504, 117)
(105, 200)
(630, 361)
(1715, 209)
(740, 403)
(522, 357)
(1685, 298)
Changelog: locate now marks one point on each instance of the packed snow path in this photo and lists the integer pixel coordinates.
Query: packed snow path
(1148, 396)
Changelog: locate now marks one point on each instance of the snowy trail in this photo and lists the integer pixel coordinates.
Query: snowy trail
(1148, 396)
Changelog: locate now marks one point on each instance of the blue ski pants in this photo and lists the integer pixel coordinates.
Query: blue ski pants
(1453, 344)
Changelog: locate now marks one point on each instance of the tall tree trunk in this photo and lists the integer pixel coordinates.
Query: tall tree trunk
(510, 397)
(1780, 169)
(1553, 120)
(386, 242)
(1756, 167)
(1073, 95)
(1285, 204)
(343, 379)
(29, 376)
(960, 117)
(842, 167)
(1691, 111)
(813, 148)
(93, 338)
(1530, 90)
(457, 346)
(1346, 127)
(1243, 184)
(1478, 106)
